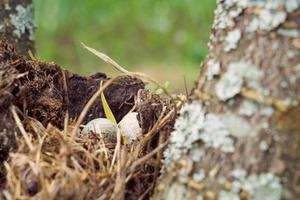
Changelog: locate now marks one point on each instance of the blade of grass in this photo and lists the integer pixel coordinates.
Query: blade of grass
(110, 61)
(108, 113)
(106, 58)
(21, 128)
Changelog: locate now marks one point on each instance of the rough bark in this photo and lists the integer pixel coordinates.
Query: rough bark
(239, 138)
(17, 24)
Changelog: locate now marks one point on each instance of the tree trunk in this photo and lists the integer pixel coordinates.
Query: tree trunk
(239, 138)
(17, 24)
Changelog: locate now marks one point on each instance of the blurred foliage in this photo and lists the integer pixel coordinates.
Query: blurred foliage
(133, 32)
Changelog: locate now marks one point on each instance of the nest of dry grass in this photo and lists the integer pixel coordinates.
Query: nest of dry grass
(58, 163)
(54, 164)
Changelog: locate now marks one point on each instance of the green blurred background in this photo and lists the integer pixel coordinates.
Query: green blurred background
(166, 39)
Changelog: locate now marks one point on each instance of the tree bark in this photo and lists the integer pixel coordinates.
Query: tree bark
(17, 24)
(239, 138)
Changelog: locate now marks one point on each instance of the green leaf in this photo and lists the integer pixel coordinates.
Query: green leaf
(108, 113)
(167, 84)
(159, 91)
(110, 116)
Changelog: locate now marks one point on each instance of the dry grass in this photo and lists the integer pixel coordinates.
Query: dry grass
(63, 164)
(55, 164)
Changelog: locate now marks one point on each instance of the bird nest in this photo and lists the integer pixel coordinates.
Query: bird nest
(42, 111)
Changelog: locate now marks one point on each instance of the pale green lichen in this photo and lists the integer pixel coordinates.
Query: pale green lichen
(229, 86)
(215, 134)
(176, 191)
(199, 175)
(267, 20)
(232, 39)
(291, 5)
(187, 130)
(297, 68)
(23, 21)
(7, 6)
(288, 33)
(269, 17)
(237, 73)
(194, 125)
(265, 186)
(213, 69)
(238, 173)
(237, 126)
(263, 145)
(248, 108)
(233, 13)
(267, 111)
(222, 19)
(199, 197)
(291, 54)
(226, 195)
(198, 154)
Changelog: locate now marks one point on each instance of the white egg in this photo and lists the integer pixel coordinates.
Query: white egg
(130, 127)
(101, 126)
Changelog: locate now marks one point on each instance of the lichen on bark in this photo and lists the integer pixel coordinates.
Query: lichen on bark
(17, 24)
(255, 95)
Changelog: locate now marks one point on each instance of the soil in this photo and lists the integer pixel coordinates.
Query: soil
(46, 92)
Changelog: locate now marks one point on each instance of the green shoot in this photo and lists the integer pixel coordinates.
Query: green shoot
(108, 113)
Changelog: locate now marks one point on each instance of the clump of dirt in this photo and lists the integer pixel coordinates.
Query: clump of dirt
(47, 162)
(47, 92)
(120, 95)
(8, 75)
